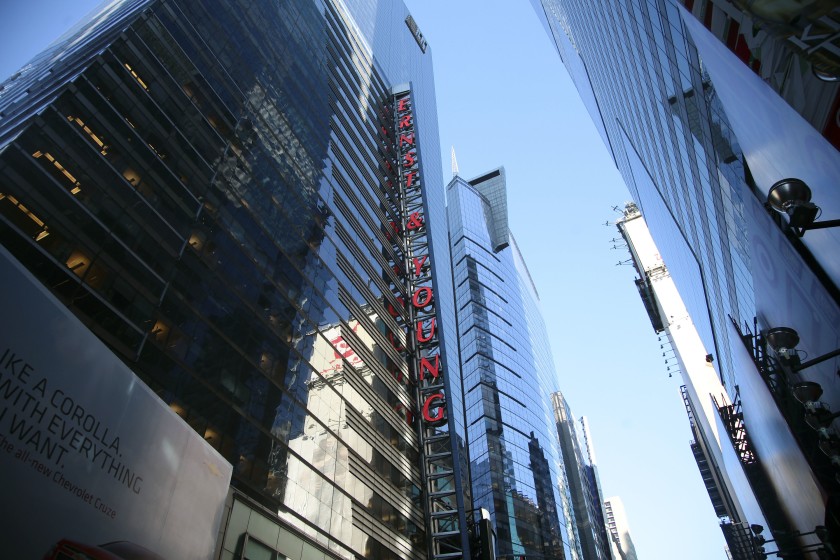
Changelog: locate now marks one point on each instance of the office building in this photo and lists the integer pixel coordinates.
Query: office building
(508, 373)
(581, 473)
(619, 529)
(243, 200)
(723, 169)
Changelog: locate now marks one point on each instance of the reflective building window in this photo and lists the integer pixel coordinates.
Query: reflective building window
(204, 185)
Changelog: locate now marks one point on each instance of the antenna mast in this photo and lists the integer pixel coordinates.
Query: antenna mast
(454, 164)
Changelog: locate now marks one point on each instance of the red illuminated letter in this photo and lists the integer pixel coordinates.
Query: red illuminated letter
(394, 342)
(409, 159)
(396, 229)
(422, 297)
(409, 140)
(409, 178)
(426, 366)
(415, 221)
(405, 121)
(421, 337)
(418, 264)
(435, 400)
(402, 105)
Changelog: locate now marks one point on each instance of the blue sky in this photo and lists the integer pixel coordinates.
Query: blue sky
(504, 98)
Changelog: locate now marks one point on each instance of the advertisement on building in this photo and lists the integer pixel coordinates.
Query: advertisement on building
(94, 465)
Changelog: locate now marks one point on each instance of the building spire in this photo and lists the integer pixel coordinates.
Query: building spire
(454, 164)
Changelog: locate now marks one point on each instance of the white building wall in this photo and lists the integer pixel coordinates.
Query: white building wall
(698, 373)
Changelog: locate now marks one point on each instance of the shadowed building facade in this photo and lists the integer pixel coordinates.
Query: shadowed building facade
(581, 473)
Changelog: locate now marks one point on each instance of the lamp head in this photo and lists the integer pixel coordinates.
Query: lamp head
(793, 197)
(786, 192)
(824, 74)
(821, 532)
(831, 448)
(807, 391)
(782, 338)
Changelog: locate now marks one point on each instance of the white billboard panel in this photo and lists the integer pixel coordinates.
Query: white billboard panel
(94, 465)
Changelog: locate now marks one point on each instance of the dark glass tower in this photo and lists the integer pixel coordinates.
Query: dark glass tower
(582, 476)
(687, 97)
(507, 373)
(205, 185)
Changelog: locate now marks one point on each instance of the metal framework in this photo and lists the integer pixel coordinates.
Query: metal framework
(422, 337)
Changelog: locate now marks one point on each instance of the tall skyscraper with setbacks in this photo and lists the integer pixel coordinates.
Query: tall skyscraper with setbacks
(508, 374)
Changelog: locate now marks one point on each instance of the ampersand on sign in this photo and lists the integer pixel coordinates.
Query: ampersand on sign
(415, 221)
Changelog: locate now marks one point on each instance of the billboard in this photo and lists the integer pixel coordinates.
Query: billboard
(94, 465)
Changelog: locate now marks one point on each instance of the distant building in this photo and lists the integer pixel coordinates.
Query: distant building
(584, 486)
(619, 530)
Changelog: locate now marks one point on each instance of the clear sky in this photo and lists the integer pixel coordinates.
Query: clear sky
(504, 98)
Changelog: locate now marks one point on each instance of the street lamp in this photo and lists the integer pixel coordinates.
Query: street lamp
(793, 197)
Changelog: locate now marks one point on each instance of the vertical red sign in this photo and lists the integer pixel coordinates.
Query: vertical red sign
(426, 358)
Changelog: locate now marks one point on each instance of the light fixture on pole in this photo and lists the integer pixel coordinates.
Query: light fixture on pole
(820, 418)
(807, 392)
(793, 197)
(831, 447)
(783, 341)
(824, 74)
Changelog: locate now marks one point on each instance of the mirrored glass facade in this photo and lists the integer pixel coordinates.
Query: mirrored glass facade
(681, 94)
(203, 183)
(508, 373)
(653, 104)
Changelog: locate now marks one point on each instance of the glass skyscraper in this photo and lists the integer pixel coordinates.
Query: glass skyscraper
(207, 185)
(508, 373)
(676, 92)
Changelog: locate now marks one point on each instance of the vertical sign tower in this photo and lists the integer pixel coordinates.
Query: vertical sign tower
(419, 323)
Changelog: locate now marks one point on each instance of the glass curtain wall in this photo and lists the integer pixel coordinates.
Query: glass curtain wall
(202, 183)
(508, 373)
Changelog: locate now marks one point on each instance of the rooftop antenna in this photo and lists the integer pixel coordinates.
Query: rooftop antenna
(454, 164)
